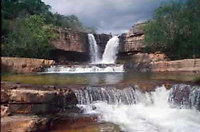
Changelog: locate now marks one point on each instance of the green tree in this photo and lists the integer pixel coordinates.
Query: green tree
(29, 38)
(27, 27)
(175, 30)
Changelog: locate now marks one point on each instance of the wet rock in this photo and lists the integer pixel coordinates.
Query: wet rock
(31, 96)
(33, 108)
(99, 127)
(21, 123)
(70, 121)
(34, 99)
(185, 96)
(24, 65)
(102, 40)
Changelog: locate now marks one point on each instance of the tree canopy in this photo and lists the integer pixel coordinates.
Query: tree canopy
(175, 30)
(27, 25)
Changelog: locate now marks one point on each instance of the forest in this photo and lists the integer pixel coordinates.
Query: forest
(27, 25)
(175, 30)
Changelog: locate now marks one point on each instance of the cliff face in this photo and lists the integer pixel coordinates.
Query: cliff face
(102, 40)
(73, 46)
(133, 40)
(69, 40)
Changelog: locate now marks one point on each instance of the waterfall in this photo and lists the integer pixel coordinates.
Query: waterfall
(135, 111)
(94, 50)
(182, 95)
(109, 95)
(111, 50)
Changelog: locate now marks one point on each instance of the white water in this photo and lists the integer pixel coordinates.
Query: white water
(151, 113)
(85, 69)
(111, 50)
(109, 57)
(94, 50)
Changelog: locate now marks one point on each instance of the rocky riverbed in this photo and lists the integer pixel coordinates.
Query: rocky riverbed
(26, 107)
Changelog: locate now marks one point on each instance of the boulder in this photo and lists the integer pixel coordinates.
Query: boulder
(24, 65)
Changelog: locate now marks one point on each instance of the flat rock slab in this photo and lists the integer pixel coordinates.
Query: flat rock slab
(22, 123)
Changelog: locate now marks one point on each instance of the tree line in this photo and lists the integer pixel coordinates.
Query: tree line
(27, 26)
(175, 30)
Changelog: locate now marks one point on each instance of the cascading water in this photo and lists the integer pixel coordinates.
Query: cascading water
(135, 111)
(85, 69)
(106, 65)
(111, 50)
(94, 50)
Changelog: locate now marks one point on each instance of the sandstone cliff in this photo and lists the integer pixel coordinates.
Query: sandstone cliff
(133, 40)
(73, 46)
(24, 65)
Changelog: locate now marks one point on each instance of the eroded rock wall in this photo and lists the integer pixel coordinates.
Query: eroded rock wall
(133, 40)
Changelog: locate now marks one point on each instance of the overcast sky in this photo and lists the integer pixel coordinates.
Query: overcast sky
(115, 16)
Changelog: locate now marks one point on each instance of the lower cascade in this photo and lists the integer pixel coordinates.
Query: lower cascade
(162, 110)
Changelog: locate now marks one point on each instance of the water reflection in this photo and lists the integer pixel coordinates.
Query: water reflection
(96, 78)
(105, 78)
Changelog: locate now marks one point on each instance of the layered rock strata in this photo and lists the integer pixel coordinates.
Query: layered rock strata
(24, 65)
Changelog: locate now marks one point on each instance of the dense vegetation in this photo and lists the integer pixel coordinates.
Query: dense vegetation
(27, 26)
(175, 30)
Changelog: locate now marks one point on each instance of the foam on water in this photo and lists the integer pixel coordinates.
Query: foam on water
(85, 69)
(150, 113)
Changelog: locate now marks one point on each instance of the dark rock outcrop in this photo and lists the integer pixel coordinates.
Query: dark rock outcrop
(102, 40)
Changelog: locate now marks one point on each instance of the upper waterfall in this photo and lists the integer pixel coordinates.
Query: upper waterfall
(94, 50)
(111, 50)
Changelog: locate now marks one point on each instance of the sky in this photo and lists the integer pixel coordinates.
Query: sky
(107, 16)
